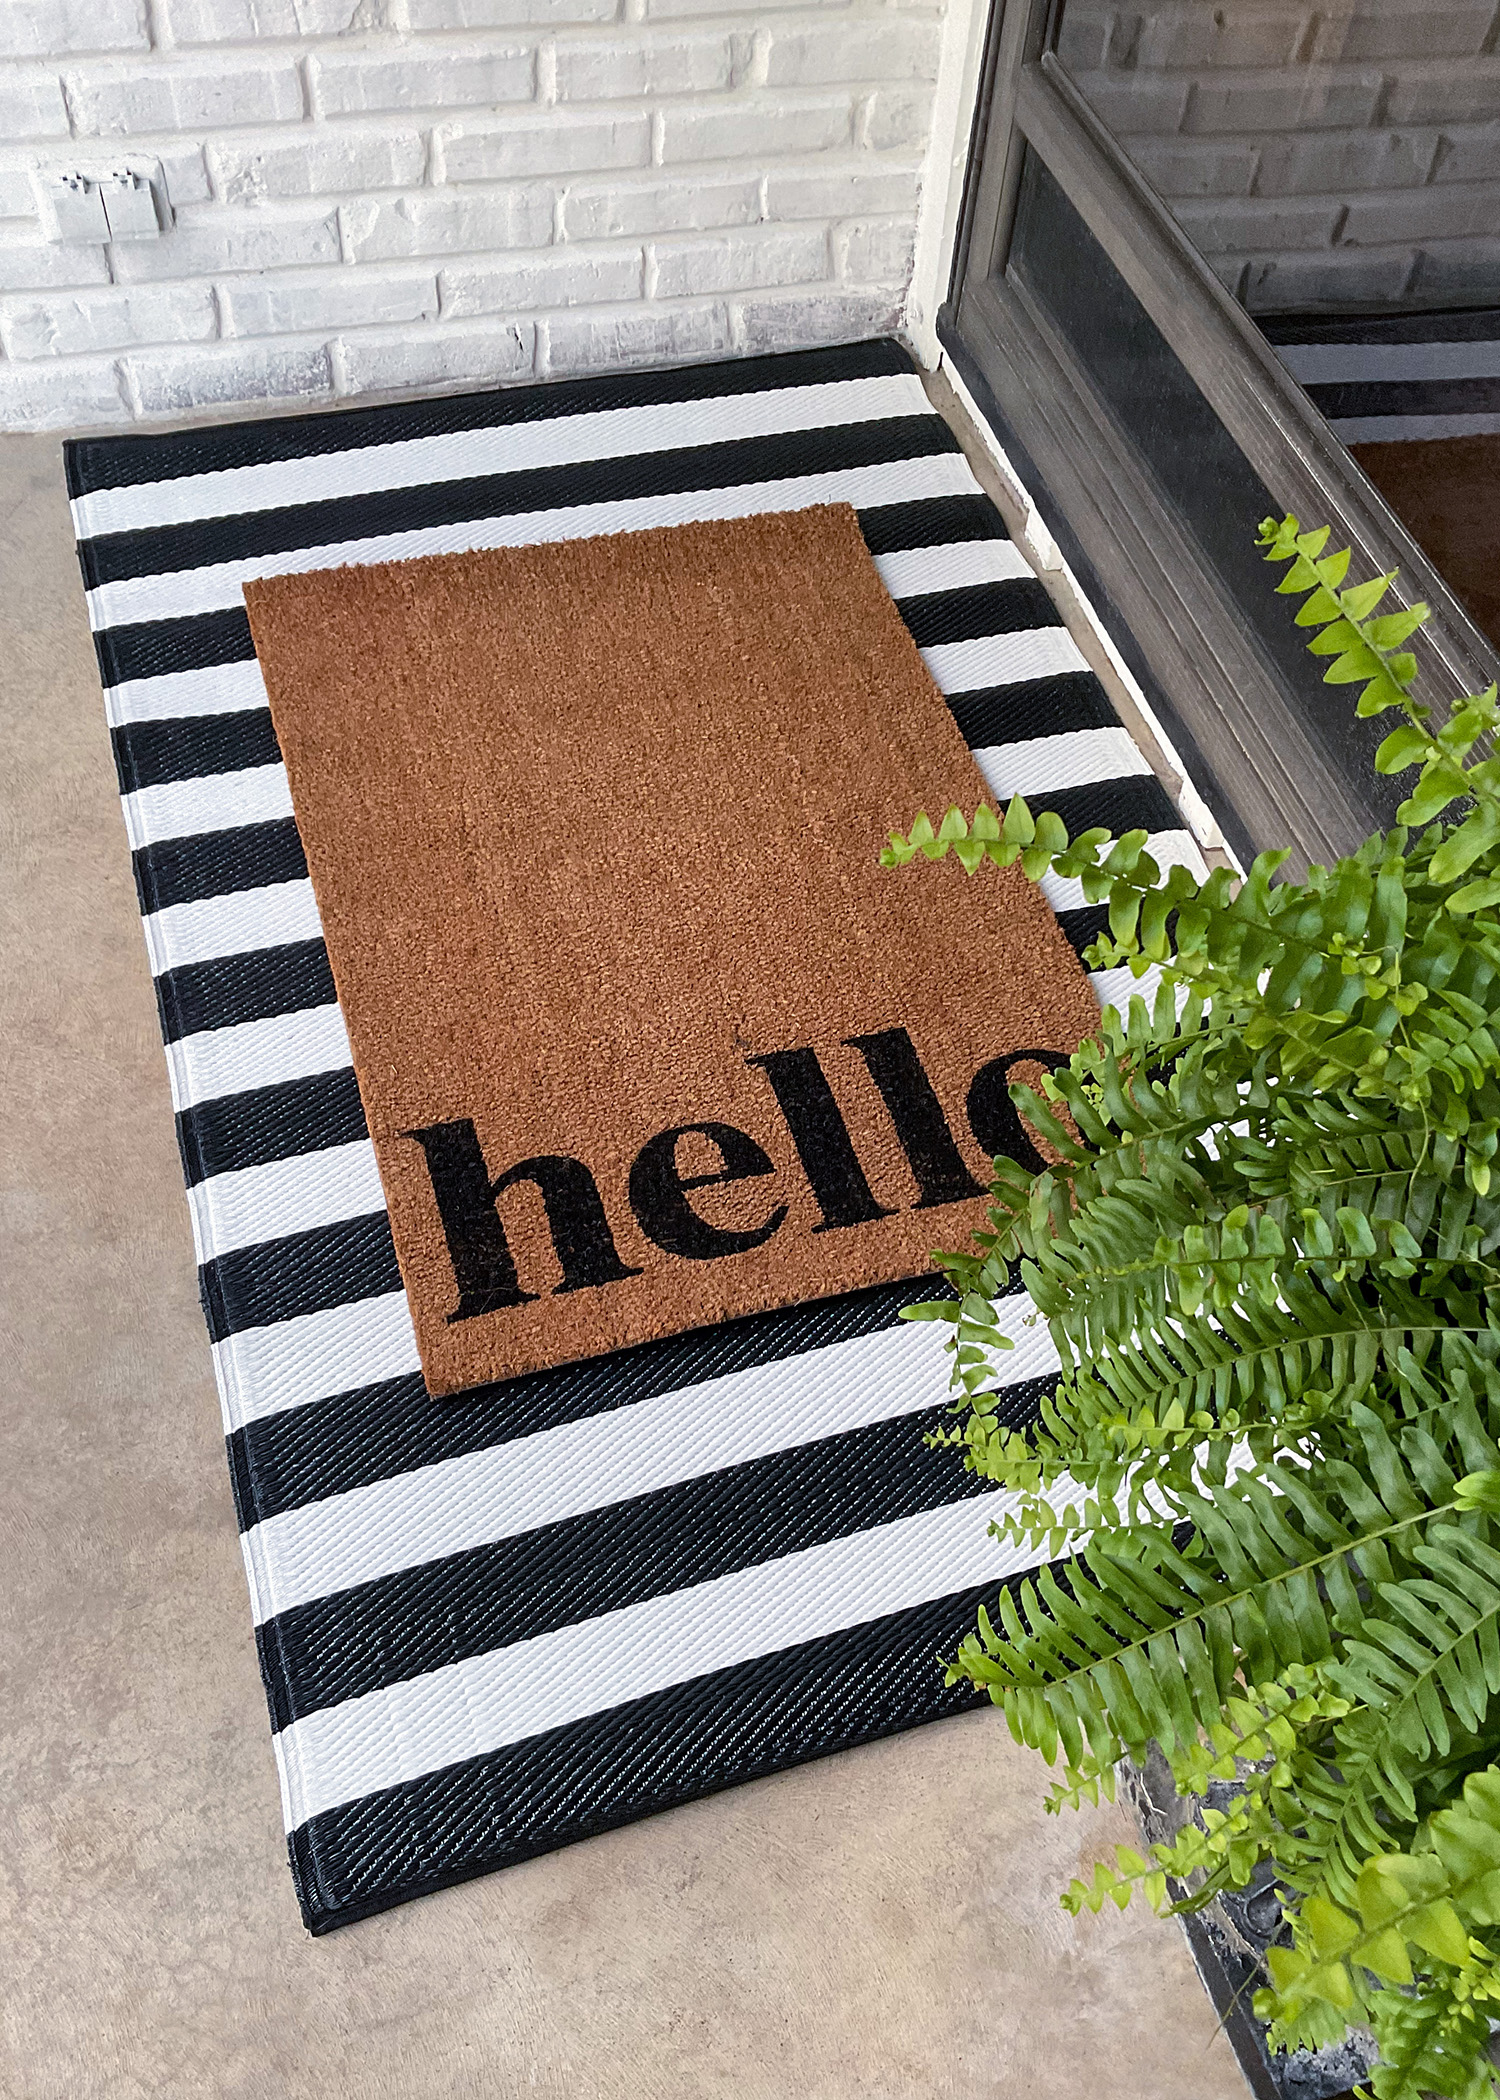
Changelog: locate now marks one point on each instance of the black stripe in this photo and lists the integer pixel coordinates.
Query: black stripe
(215, 863)
(156, 648)
(255, 535)
(979, 609)
(633, 1760)
(129, 462)
(330, 1446)
(232, 989)
(423, 1618)
(1383, 328)
(1009, 714)
(286, 1121)
(1338, 399)
(152, 648)
(1139, 802)
(1084, 926)
(190, 747)
(931, 521)
(304, 1272)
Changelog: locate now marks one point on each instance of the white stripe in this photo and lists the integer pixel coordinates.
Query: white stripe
(210, 802)
(211, 927)
(954, 567)
(216, 1061)
(469, 1708)
(500, 448)
(1117, 988)
(1389, 430)
(1169, 849)
(497, 1493)
(1042, 765)
(1323, 364)
(184, 593)
(230, 688)
(259, 794)
(220, 689)
(1003, 659)
(251, 1204)
(294, 1363)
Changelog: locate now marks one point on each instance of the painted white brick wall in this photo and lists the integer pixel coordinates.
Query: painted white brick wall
(1337, 156)
(376, 195)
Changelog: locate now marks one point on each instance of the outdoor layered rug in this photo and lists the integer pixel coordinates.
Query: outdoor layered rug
(688, 1531)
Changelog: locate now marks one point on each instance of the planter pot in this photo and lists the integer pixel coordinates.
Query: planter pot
(1229, 1939)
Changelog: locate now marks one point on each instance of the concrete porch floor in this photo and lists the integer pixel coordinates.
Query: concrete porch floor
(883, 1924)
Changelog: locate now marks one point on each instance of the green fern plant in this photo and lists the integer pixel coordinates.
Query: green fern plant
(1268, 1251)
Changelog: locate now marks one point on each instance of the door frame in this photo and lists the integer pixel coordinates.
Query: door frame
(1220, 690)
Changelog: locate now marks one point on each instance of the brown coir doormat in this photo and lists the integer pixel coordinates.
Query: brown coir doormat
(645, 1036)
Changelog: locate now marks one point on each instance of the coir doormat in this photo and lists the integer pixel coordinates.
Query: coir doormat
(646, 1038)
(493, 1624)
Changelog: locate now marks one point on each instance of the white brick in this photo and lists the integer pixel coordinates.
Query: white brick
(184, 172)
(841, 192)
(1282, 101)
(184, 95)
(566, 277)
(1468, 153)
(898, 117)
(1245, 224)
(347, 17)
(36, 265)
(852, 50)
(548, 142)
(596, 211)
(250, 21)
(1083, 36)
(50, 28)
(1427, 30)
(1298, 164)
(31, 107)
(802, 321)
(1195, 167)
(82, 392)
(1445, 94)
(602, 341)
(109, 320)
(877, 252)
(673, 10)
(1194, 36)
(1445, 212)
(419, 77)
(754, 129)
(627, 67)
(216, 238)
(17, 197)
(227, 21)
(1131, 102)
(509, 14)
(1344, 278)
(741, 262)
(434, 224)
(168, 381)
(1457, 273)
(304, 301)
(479, 354)
(325, 161)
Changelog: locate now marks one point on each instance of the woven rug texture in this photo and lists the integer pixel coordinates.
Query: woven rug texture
(492, 1624)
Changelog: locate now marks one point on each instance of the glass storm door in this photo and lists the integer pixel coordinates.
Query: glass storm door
(1175, 217)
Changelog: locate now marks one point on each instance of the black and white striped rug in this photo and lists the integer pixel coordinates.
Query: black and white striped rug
(491, 1625)
(1381, 380)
